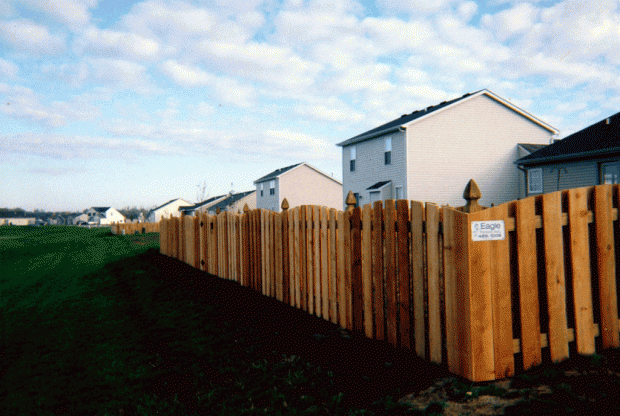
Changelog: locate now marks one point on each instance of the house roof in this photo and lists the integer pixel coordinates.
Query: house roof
(201, 204)
(169, 202)
(279, 172)
(378, 185)
(599, 139)
(276, 173)
(231, 200)
(101, 210)
(406, 119)
(532, 147)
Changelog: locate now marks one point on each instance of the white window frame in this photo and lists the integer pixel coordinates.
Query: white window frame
(537, 187)
(399, 188)
(352, 159)
(272, 187)
(261, 189)
(388, 151)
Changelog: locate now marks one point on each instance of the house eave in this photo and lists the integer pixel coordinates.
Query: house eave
(370, 136)
(572, 156)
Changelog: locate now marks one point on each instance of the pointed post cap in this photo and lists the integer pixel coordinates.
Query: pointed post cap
(285, 204)
(472, 194)
(350, 201)
(246, 208)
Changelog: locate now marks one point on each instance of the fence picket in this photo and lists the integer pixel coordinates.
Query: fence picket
(554, 266)
(432, 256)
(580, 265)
(342, 309)
(333, 269)
(324, 264)
(606, 265)
(367, 269)
(528, 282)
(390, 272)
(316, 228)
(279, 268)
(356, 270)
(377, 264)
(309, 260)
(402, 215)
(417, 275)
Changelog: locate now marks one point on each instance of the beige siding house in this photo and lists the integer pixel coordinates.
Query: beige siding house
(300, 184)
(17, 221)
(169, 208)
(431, 154)
(588, 157)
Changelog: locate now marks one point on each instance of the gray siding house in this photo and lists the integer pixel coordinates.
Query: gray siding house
(588, 157)
(300, 184)
(431, 154)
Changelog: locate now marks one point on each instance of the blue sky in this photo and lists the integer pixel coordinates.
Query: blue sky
(110, 102)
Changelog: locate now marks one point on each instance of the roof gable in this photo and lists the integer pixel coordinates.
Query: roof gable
(407, 119)
(231, 199)
(599, 138)
(276, 173)
(169, 202)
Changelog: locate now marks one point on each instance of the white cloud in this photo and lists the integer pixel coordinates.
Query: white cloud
(415, 6)
(8, 69)
(186, 75)
(73, 13)
(368, 77)
(467, 10)
(113, 43)
(332, 109)
(121, 74)
(25, 35)
(81, 147)
(510, 23)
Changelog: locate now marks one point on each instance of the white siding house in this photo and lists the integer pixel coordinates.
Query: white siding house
(169, 208)
(104, 215)
(300, 184)
(431, 154)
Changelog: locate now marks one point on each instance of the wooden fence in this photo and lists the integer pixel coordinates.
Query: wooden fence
(135, 227)
(412, 274)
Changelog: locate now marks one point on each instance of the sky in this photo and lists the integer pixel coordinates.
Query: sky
(120, 103)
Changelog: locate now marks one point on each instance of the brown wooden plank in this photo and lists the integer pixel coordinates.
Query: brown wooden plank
(367, 269)
(501, 297)
(272, 251)
(316, 231)
(333, 275)
(215, 245)
(554, 268)
(239, 255)
(279, 269)
(417, 275)
(303, 300)
(292, 262)
(580, 263)
(309, 260)
(286, 261)
(324, 243)
(528, 282)
(342, 304)
(356, 270)
(348, 270)
(453, 315)
(434, 310)
(197, 242)
(481, 301)
(606, 265)
(390, 272)
(404, 312)
(189, 239)
(377, 267)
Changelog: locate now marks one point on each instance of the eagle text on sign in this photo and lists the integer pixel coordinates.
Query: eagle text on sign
(488, 230)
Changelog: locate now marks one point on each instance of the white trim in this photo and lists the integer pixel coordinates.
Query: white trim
(539, 189)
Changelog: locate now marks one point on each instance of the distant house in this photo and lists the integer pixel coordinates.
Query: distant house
(17, 221)
(235, 202)
(165, 210)
(104, 215)
(300, 184)
(202, 206)
(431, 154)
(588, 157)
(82, 218)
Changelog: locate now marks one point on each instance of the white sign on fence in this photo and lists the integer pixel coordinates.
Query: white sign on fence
(488, 230)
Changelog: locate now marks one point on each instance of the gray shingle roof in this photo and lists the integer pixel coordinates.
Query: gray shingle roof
(276, 173)
(377, 185)
(596, 140)
(201, 204)
(532, 147)
(163, 205)
(101, 210)
(230, 200)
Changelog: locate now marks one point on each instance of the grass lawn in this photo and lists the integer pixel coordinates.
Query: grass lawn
(97, 324)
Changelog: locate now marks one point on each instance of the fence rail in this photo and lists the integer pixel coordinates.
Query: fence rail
(134, 227)
(410, 273)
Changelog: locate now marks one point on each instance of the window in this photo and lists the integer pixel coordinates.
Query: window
(352, 162)
(610, 173)
(261, 189)
(357, 199)
(388, 151)
(272, 187)
(399, 192)
(534, 181)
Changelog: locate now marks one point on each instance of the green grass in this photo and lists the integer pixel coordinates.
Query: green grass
(97, 324)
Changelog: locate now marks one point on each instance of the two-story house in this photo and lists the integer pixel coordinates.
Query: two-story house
(431, 154)
(300, 184)
(588, 157)
(165, 210)
(234, 202)
(104, 215)
(201, 206)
